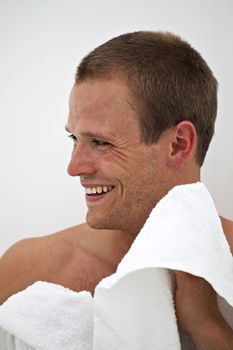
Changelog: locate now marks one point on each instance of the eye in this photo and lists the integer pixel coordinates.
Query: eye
(72, 137)
(101, 143)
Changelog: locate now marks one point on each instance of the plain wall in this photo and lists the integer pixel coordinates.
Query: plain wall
(42, 42)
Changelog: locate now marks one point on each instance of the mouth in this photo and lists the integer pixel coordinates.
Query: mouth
(97, 192)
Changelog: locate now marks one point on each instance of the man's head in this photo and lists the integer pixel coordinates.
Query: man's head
(169, 81)
(142, 114)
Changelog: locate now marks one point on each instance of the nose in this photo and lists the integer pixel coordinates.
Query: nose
(81, 162)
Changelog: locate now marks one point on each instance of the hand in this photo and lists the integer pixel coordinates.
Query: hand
(198, 314)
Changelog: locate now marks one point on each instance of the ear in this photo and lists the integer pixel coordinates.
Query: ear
(183, 144)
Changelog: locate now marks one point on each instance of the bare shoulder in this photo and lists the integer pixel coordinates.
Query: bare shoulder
(228, 230)
(41, 258)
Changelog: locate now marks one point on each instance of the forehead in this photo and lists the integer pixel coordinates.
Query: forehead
(104, 103)
(105, 94)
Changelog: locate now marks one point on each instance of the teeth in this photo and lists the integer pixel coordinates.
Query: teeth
(93, 190)
(98, 189)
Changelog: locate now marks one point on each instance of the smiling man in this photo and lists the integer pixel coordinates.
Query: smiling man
(142, 115)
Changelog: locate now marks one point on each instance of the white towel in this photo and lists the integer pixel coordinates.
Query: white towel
(183, 232)
(47, 316)
(133, 308)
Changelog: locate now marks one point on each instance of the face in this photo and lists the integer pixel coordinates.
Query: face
(123, 178)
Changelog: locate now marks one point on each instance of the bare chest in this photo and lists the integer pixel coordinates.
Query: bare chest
(82, 271)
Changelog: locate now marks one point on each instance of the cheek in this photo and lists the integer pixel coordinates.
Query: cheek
(117, 160)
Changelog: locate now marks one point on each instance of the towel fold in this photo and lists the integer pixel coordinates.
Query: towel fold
(133, 308)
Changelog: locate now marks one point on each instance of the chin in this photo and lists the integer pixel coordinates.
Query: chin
(96, 223)
(100, 223)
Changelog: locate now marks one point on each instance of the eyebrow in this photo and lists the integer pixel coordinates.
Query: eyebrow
(93, 135)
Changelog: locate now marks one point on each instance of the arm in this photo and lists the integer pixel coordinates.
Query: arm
(16, 269)
(11, 270)
(34, 259)
(197, 309)
(198, 314)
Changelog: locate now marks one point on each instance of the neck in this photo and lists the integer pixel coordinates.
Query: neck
(110, 245)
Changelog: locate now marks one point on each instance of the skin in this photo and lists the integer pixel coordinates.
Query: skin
(197, 312)
(77, 258)
(81, 256)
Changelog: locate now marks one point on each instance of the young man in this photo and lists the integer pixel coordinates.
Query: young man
(142, 114)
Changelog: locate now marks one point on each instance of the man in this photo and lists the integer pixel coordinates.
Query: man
(142, 114)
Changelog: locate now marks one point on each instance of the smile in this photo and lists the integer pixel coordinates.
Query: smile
(98, 190)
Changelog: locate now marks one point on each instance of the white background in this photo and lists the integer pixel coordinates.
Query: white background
(41, 43)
